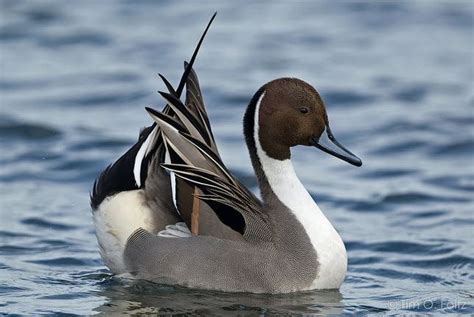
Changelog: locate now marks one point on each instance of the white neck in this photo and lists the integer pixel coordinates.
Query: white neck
(290, 191)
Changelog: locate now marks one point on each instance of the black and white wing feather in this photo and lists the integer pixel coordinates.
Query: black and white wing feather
(193, 159)
(129, 172)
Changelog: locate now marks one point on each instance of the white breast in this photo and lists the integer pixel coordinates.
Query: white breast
(115, 220)
(326, 241)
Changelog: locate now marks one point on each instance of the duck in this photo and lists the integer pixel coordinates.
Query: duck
(170, 211)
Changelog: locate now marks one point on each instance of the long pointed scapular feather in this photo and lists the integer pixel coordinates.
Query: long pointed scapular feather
(195, 103)
(185, 149)
(185, 132)
(221, 193)
(194, 162)
(150, 141)
(218, 162)
(187, 117)
(169, 86)
(204, 158)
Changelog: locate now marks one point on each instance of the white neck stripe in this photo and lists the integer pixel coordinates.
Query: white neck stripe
(290, 191)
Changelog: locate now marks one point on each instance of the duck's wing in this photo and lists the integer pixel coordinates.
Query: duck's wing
(194, 160)
(119, 176)
(130, 171)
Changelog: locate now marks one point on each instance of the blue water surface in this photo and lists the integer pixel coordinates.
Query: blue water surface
(397, 79)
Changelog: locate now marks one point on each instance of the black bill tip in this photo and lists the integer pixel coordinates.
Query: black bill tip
(328, 143)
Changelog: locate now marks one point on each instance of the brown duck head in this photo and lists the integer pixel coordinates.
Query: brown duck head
(292, 113)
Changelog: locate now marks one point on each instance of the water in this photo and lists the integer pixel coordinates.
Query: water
(397, 80)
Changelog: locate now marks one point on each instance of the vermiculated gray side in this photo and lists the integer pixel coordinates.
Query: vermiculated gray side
(275, 259)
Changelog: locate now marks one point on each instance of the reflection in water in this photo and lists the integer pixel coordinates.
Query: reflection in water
(138, 297)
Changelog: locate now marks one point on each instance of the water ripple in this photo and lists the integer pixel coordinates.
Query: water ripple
(341, 97)
(75, 73)
(411, 93)
(47, 224)
(97, 99)
(28, 131)
(397, 274)
(63, 261)
(82, 37)
(403, 247)
(460, 147)
(448, 262)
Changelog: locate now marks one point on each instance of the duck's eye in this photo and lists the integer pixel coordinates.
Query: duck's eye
(304, 110)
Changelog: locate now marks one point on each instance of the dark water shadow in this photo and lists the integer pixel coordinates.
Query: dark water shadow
(142, 297)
